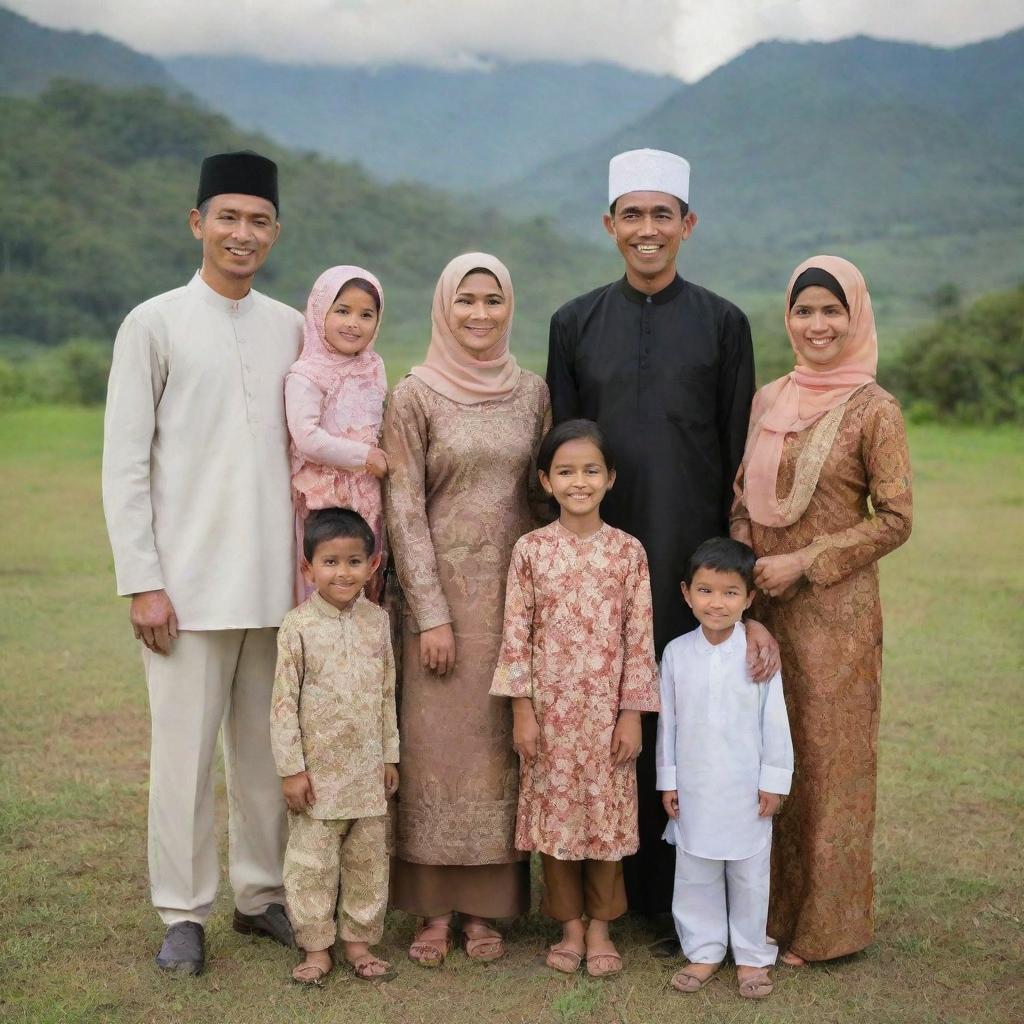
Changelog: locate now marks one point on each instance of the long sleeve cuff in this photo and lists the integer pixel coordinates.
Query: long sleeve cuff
(774, 780)
(290, 765)
(138, 581)
(667, 778)
(391, 753)
(511, 681)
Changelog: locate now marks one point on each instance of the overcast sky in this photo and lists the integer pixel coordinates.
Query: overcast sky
(687, 38)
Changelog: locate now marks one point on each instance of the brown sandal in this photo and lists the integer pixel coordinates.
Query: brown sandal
(569, 954)
(428, 952)
(309, 974)
(685, 981)
(360, 968)
(482, 943)
(757, 986)
(595, 972)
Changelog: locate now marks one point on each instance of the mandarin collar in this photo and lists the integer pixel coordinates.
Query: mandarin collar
(667, 294)
(328, 610)
(736, 640)
(235, 307)
(566, 532)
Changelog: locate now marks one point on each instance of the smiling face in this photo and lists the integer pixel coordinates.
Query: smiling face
(237, 232)
(820, 326)
(351, 321)
(648, 228)
(718, 600)
(340, 568)
(479, 313)
(578, 480)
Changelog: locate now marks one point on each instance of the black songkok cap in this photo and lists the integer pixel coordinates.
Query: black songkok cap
(816, 276)
(245, 172)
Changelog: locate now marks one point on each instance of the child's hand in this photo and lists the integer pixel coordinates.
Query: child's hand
(298, 792)
(390, 779)
(670, 801)
(767, 803)
(437, 649)
(626, 737)
(525, 730)
(377, 463)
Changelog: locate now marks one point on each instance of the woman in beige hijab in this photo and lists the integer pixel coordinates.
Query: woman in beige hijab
(460, 433)
(823, 493)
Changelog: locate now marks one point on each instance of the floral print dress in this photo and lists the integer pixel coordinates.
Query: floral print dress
(578, 642)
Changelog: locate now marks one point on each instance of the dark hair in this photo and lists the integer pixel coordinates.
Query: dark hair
(573, 430)
(482, 270)
(723, 554)
(815, 276)
(326, 524)
(684, 207)
(364, 286)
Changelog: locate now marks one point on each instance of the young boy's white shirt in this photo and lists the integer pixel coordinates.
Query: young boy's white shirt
(721, 738)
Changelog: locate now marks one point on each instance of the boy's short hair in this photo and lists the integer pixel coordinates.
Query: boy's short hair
(573, 430)
(326, 524)
(723, 554)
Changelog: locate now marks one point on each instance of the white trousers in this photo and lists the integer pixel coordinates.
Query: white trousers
(212, 679)
(718, 903)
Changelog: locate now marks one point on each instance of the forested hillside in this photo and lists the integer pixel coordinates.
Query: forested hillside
(97, 189)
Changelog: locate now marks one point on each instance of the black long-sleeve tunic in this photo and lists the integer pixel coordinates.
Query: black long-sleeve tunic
(669, 378)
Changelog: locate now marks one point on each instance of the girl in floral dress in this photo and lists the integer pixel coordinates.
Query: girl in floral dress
(577, 660)
(334, 401)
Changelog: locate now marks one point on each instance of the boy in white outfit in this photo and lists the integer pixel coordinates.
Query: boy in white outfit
(724, 759)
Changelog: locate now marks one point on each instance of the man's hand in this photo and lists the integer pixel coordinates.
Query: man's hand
(437, 649)
(767, 803)
(390, 780)
(298, 792)
(153, 620)
(626, 737)
(377, 463)
(777, 573)
(670, 801)
(763, 658)
(525, 729)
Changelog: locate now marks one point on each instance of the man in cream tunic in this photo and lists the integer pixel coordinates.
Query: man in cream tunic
(196, 492)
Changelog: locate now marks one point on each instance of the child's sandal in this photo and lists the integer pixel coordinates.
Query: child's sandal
(596, 972)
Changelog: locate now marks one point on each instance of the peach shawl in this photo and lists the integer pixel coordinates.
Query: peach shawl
(807, 397)
(448, 368)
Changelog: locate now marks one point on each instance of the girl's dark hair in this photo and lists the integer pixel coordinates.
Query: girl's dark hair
(326, 524)
(573, 430)
(723, 554)
(364, 286)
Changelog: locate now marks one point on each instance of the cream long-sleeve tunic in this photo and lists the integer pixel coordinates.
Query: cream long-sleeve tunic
(721, 738)
(196, 479)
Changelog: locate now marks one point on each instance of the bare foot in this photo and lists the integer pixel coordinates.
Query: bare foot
(567, 955)
(314, 968)
(603, 958)
(791, 959)
(755, 982)
(693, 977)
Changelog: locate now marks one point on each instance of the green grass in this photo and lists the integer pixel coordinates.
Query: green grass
(77, 933)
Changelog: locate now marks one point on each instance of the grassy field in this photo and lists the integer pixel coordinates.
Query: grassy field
(77, 935)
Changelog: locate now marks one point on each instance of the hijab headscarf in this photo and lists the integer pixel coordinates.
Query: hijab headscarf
(318, 361)
(808, 396)
(448, 368)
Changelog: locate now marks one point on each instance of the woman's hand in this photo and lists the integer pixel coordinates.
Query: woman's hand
(626, 737)
(298, 792)
(377, 463)
(777, 573)
(763, 656)
(437, 649)
(525, 729)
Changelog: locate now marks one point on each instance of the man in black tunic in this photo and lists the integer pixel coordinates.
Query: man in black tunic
(666, 368)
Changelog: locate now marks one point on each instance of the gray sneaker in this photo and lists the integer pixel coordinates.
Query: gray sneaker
(272, 923)
(184, 949)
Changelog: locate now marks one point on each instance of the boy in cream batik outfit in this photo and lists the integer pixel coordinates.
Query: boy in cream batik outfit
(335, 740)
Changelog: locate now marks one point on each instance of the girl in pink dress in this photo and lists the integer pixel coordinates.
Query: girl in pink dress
(334, 400)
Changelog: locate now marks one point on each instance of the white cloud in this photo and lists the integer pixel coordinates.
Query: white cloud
(684, 37)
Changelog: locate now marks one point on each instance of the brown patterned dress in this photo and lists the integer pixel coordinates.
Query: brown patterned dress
(457, 500)
(830, 633)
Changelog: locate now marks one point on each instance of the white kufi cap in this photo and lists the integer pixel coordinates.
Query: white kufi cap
(648, 170)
